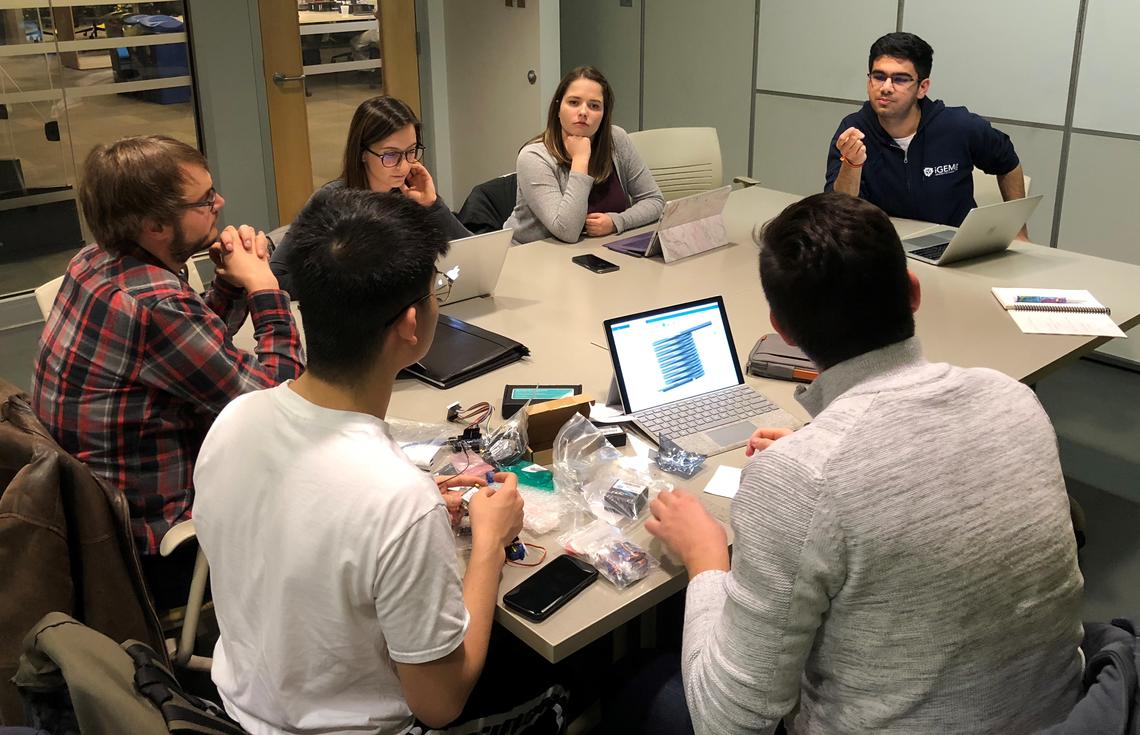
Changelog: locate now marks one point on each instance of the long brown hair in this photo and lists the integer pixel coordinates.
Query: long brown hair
(374, 120)
(601, 145)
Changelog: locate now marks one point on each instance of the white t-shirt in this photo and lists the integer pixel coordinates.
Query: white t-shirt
(904, 143)
(331, 557)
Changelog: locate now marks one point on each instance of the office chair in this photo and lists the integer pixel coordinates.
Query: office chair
(489, 204)
(185, 621)
(683, 161)
(986, 189)
(46, 293)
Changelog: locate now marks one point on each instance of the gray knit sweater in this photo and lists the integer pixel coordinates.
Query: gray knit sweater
(903, 564)
(552, 200)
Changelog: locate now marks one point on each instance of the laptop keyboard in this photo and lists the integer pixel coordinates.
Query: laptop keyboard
(932, 253)
(704, 412)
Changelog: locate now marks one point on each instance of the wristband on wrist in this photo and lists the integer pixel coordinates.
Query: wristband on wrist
(850, 163)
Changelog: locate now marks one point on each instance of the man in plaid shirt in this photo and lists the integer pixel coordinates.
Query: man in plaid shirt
(133, 364)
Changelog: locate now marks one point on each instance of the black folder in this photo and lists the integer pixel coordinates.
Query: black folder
(462, 351)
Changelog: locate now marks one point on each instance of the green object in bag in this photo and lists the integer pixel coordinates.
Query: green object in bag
(532, 475)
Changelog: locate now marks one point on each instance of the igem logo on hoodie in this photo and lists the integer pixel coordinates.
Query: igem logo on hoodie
(947, 168)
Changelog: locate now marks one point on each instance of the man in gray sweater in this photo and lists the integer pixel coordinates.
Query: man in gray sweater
(905, 563)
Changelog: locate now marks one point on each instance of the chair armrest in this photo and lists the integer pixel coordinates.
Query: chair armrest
(179, 534)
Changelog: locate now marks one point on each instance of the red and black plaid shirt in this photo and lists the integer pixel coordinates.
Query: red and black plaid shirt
(134, 366)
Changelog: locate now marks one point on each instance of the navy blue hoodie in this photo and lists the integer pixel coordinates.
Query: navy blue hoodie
(933, 180)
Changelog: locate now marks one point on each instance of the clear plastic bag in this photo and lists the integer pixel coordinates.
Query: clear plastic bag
(602, 494)
(587, 466)
(508, 443)
(421, 442)
(616, 558)
(544, 512)
(580, 451)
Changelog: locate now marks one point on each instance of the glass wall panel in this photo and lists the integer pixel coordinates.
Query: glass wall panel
(73, 75)
(340, 50)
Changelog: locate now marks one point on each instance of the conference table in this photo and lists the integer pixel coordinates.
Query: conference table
(556, 308)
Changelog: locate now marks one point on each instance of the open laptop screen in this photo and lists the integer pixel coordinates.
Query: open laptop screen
(672, 353)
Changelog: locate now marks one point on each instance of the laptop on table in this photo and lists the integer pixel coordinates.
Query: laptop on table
(985, 230)
(474, 264)
(688, 226)
(678, 374)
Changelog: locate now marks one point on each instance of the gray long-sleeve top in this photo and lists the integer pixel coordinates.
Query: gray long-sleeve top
(906, 563)
(552, 200)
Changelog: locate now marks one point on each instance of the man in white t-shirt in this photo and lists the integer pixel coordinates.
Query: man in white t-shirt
(333, 567)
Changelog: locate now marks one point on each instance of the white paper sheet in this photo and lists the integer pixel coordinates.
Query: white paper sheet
(725, 482)
(1049, 322)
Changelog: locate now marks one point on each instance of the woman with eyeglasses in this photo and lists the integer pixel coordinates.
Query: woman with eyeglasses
(383, 153)
(582, 174)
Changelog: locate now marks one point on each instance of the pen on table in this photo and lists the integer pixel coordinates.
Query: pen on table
(1048, 300)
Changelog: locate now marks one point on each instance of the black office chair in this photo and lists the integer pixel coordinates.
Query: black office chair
(489, 204)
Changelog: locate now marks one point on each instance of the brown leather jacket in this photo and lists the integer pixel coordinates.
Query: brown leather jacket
(65, 546)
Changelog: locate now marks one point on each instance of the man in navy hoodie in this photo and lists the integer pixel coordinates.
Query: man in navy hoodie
(912, 156)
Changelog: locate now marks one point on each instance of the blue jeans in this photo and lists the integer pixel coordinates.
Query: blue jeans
(652, 699)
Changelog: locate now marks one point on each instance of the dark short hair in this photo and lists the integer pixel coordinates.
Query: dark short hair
(835, 276)
(602, 144)
(906, 46)
(374, 120)
(359, 259)
(130, 182)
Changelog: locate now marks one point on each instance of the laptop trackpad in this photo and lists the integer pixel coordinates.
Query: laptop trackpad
(726, 436)
(934, 238)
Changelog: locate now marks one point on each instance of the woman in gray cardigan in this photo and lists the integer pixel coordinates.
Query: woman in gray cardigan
(582, 173)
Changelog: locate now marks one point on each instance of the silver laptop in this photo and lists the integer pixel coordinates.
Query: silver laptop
(678, 374)
(985, 230)
(694, 222)
(479, 260)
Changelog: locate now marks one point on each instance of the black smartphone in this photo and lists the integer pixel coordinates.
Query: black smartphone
(594, 263)
(550, 588)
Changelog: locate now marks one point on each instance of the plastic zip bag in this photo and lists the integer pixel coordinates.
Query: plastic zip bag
(616, 558)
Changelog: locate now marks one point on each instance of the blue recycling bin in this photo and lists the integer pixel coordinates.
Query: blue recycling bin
(152, 62)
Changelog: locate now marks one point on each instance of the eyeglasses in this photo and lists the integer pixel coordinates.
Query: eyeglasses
(440, 289)
(902, 81)
(210, 201)
(391, 159)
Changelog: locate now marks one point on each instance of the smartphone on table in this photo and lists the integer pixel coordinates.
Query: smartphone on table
(593, 263)
(551, 587)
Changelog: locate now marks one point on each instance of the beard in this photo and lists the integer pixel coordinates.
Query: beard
(182, 249)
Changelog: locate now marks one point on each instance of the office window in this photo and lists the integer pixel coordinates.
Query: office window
(340, 51)
(73, 75)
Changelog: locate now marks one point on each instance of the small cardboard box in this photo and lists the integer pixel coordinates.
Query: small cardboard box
(545, 419)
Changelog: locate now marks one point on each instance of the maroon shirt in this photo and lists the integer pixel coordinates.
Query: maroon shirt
(608, 196)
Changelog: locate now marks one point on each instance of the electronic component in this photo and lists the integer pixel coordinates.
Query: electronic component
(517, 396)
(626, 498)
(613, 433)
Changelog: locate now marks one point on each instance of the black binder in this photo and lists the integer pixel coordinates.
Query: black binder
(462, 351)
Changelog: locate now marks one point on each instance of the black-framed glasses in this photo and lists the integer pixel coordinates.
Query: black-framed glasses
(210, 201)
(440, 289)
(902, 81)
(391, 159)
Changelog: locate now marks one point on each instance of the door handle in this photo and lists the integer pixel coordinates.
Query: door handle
(280, 78)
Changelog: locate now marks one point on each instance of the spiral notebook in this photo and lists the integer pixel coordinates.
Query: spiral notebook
(1057, 311)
